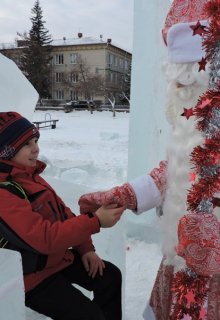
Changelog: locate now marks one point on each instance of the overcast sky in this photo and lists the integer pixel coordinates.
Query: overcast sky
(112, 19)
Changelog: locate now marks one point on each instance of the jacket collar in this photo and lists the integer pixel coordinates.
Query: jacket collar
(12, 169)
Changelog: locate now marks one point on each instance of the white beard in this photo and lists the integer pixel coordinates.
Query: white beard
(182, 141)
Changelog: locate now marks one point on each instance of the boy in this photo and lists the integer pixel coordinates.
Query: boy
(55, 245)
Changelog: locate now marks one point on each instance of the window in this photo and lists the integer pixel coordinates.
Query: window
(74, 95)
(59, 77)
(59, 59)
(121, 78)
(111, 76)
(121, 63)
(126, 65)
(110, 59)
(74, 77)
(73, 58)
(59, 94)
(114, 77)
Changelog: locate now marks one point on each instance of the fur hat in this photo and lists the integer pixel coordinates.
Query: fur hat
(15, 131)
(183, 45)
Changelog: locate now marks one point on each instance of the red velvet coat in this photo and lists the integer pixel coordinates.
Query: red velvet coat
(45, 223)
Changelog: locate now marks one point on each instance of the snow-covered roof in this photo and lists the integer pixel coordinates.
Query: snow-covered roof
(83, 41)
(69, 41)
(77, 41)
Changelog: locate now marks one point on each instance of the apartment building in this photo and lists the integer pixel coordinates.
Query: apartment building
(82, 67)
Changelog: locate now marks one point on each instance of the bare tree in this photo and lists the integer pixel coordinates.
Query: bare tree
(125, 97)
(111, 98)
(83, 80)
(126, 86)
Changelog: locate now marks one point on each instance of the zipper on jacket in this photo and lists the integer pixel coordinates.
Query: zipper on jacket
(53, 210)
(63, 212)
(3, 242)
(60, 209)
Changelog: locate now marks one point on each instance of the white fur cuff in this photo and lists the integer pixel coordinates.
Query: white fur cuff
(147, 194)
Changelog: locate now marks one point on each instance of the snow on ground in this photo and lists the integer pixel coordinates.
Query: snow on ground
(91, 150)
(142, 262)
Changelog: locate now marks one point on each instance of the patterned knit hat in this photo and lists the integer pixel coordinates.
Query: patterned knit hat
(183, 43)
(15, 131)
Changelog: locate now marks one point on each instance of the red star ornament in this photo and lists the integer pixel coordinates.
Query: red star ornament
(198, 28)
(192, 177)
(202, 313)
(202, 64)
(187, 113)
(190, 296)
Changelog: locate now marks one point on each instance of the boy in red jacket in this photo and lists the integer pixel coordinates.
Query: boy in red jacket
(54, 243)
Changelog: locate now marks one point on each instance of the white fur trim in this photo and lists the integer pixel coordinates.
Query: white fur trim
(182, 45)
(147, 194)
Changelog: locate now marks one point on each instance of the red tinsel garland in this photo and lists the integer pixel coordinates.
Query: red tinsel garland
(190, 289)
(212, 9)
(207, 156)
(190, 294)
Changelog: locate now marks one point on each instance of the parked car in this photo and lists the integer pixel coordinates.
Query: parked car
(79, 104)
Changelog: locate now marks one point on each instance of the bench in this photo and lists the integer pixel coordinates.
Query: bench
(46, 123)
(118, 108)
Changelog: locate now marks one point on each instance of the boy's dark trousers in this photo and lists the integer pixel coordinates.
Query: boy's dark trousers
(58, 299)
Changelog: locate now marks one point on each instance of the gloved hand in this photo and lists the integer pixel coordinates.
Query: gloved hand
(123, 196)
(160, 176)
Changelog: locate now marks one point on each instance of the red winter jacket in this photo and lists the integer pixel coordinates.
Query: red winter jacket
(44, 222)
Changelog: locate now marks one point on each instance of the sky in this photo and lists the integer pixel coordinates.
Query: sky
(65, 18)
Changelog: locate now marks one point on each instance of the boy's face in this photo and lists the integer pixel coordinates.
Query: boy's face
(28, 154)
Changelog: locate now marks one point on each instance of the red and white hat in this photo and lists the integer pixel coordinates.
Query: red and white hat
(15, 131)
(182, 45)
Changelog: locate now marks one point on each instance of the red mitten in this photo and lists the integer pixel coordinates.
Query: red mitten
(160, 176)
(199, 244)
(122, 196)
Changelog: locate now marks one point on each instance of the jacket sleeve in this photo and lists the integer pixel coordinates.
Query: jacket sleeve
(42, 235)
(149, 189)
(86, 246)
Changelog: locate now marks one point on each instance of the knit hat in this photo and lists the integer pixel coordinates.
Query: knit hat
(183, 43)
(15, 131)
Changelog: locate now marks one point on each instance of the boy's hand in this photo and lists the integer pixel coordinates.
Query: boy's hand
(109, 215)
(93, 264)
